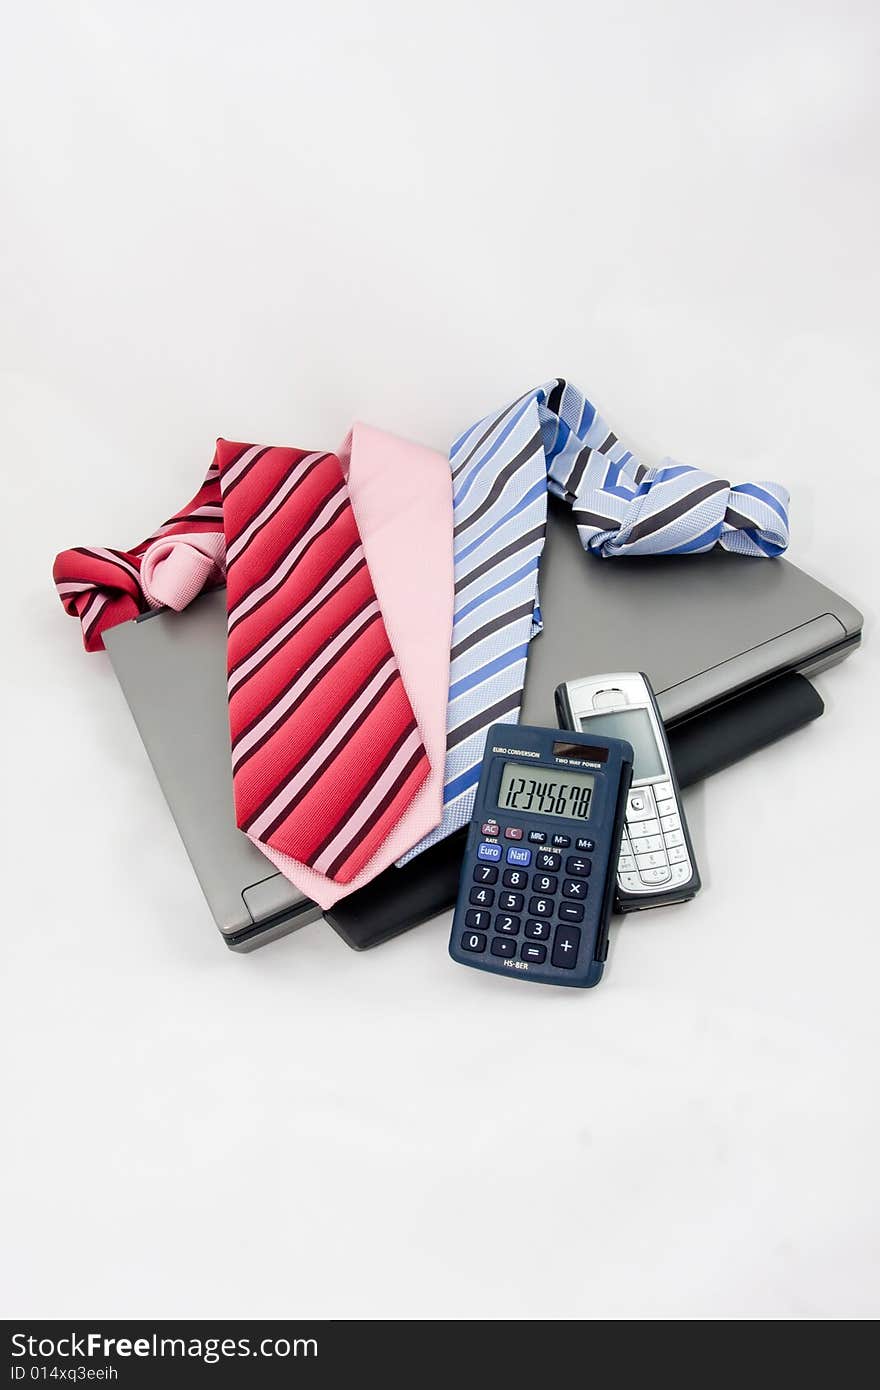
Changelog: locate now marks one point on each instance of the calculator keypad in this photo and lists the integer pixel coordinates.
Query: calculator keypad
(653, 853)
(541, 908)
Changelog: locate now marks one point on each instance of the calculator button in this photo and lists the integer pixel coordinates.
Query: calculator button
(507, 924)
(640, 805)
(570, 912)
(670, 823)
(514, 878)
(480, 920)
(561, 841)
(574, 888)
(510, 902)
(540, 907)
(513, 832)
(655, 875)
(489, 853)
(531, 951)
(677, 854)
(663, 791)
(537, 837)
(538, 931)
(586, 846)
(673, 838)
(650, 861)
(490, 827)
(545, 883)
(647, 844)
(486, 873)
(629, 882)
(546, 859)
(503, 946)
(681, 872)
(473, 941)
(482, 897)
(578, 867)
(667, 807)
(518, 856)
(565, 947)
(626, 863)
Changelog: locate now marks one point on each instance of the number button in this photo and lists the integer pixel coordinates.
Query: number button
(473, 941)
(509, 925)
(514, 878)
(531, 951)
(565, 947)
(480, 920)
(571, 912)
(538, 931)
(486, 873)
(540, 907)
(548, 861)
(574, 888)
(503, 946)
(482, 897)
(510, 902)
(560, 841)
(577, 866)
(545, 883)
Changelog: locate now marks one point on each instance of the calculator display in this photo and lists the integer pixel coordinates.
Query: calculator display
(545, 791)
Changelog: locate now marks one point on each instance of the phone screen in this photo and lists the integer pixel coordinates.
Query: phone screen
(635, 726)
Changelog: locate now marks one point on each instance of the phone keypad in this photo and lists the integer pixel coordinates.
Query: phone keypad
(551, 890)
(653, 853)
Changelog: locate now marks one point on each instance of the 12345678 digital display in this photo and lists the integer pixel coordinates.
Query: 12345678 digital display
(542, 792)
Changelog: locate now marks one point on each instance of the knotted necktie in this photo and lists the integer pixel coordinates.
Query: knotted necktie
(502, 467)
(326, 751)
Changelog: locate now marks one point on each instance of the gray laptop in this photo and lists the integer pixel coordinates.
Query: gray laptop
(702, 627)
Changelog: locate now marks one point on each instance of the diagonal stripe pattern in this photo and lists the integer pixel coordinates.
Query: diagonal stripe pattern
(552, 438)
(326, 751)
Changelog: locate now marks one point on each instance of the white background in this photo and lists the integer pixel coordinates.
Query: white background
(266, 220)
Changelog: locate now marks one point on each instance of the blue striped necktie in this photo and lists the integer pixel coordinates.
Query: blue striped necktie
(502, 467)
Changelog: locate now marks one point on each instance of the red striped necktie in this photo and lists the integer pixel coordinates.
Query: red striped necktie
(326, 751)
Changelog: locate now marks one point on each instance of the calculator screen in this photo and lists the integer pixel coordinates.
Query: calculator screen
(545, 791)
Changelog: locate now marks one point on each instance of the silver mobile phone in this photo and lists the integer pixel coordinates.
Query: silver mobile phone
(657, 866)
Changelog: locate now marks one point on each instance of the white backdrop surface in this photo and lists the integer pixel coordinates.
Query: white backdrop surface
(263, 222)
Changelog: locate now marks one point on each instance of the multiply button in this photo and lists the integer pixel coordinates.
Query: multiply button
(573, 888)
(578, 867)
(565, 947)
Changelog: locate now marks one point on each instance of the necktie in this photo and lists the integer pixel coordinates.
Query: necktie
(326, 750)
(502, 467)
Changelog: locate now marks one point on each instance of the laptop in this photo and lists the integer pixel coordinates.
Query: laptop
(704, 629)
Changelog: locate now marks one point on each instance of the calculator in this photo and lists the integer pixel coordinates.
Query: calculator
(538, 875)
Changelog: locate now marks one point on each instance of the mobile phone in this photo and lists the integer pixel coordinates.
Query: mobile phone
(657, 865)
